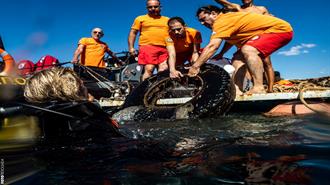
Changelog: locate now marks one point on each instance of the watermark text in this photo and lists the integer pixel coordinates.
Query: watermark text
(2, 171)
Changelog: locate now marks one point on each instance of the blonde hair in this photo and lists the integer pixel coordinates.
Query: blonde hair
(57, 83)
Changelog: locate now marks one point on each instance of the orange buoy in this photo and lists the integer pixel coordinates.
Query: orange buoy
(9, 62)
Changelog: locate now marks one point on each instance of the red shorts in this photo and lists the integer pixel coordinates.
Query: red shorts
(270, 42)
(149, 54)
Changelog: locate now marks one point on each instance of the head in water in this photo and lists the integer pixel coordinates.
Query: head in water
(57, 83)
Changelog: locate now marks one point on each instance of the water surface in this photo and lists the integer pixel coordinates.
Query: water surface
(234, 149)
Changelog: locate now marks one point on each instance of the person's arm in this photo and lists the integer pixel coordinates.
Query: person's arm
(207, 53)
(224, 50)
(113, 55)
(171, 62)
(77, 53)
(131, 40)
(229, 5)
(195, 53)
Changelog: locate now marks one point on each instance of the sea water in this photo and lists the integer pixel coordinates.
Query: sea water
(233, 149)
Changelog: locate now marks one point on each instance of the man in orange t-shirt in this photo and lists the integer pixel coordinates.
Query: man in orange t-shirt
(248, 6)
(256, 36)
(186, 41)
(155, 45)
(92, 50)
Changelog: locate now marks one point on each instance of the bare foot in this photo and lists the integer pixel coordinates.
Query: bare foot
(256, 91)
(238, 91)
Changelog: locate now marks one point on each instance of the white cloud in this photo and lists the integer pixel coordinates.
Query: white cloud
(308, 45)
(297, 50)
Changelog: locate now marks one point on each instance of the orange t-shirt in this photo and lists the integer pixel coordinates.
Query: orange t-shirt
(238, 27)
(184, 46)
(93, 52)
(153, 31)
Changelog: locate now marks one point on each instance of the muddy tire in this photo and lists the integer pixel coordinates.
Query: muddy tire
(215, 98)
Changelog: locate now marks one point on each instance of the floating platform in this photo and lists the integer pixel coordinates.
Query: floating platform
(284, 103)
(284, 96)
(266, 98)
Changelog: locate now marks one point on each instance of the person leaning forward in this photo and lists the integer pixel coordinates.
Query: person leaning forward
(257, 36)
(186, 41)
(155, 45)
(92, 50)
(248, 6)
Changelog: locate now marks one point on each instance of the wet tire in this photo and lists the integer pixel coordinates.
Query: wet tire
(218, 93)
(215, 97)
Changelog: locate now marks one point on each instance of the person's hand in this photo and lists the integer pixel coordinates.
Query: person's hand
(193, 71)
(235, 7)
(175, 74)
(132, 51)
(74, 61)
(90, 97)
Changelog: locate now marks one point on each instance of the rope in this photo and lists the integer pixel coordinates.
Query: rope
(109, 87)
(301, 97)
(93, 73)
(48, 110)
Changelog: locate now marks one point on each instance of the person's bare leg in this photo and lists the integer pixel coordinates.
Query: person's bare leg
(255, 66)
(162, 66)
(148, 69)
(269, 73)
(239, 73)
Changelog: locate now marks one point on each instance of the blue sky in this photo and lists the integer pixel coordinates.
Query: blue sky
(33, 28)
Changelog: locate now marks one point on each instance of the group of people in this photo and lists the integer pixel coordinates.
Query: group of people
(255, 34)
(164, 43)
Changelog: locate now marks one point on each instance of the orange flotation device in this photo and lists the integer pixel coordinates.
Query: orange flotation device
(9, 62)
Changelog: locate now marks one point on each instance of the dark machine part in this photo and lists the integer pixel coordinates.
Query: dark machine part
(129, 70)
(114, 81)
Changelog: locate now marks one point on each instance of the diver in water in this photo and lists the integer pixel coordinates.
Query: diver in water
(66, 109)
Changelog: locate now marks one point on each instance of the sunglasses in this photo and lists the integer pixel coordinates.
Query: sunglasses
(149, 7)
(96, 32)
(176, 29)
